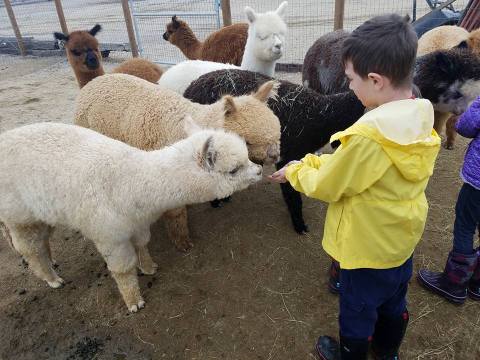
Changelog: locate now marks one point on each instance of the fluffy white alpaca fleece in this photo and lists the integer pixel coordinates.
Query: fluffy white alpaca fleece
(264, 47)
(52, 174)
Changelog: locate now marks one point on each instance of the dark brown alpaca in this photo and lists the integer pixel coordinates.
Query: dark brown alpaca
(225, 45)
(83, 54)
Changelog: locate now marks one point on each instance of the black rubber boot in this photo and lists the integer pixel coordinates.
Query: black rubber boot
(388, 336)
(327, 348)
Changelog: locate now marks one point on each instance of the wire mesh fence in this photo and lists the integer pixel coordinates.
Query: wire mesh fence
(307, 20)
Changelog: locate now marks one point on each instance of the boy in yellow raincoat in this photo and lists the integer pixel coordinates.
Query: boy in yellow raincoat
(375, 186)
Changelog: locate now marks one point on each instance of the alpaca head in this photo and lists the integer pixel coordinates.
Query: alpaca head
(266, 32)
(472, 43)
(223, 156)
(250, 117)
(450, 79)
(177, 31)
(82, 49)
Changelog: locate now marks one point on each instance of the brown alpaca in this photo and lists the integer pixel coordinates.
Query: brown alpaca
(225, 45)
(83, 54)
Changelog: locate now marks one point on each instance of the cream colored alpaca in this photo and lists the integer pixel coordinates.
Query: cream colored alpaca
(441, 38)
(143, 115)
(52, 174)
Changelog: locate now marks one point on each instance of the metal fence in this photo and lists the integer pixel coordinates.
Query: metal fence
(306, 19)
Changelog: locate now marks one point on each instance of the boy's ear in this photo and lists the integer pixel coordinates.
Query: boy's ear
(378, 80)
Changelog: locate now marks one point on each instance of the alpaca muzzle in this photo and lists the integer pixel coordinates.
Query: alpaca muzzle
(91, 61)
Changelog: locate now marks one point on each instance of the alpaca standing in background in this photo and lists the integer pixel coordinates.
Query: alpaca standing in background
(225, 45)
(148, 117)
(445, 38)
(83, 54)
(265, 45)
(57, 174)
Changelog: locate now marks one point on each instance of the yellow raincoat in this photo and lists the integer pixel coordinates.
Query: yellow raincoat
(375, 185)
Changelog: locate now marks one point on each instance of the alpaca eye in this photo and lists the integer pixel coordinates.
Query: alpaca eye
(262, 37)
(234, 171)
(76, 52)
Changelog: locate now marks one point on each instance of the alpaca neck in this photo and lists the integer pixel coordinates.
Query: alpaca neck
(251, 63)
(209, 116)
(84, 77)
(165, 179)
(190, 46)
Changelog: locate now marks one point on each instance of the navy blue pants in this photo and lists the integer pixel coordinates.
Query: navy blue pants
(367, 293)
(467, 218)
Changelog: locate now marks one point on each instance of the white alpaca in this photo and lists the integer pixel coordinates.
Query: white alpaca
(264, 47)
(53, 174)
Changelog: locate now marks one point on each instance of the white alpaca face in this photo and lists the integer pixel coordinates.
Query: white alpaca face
(268, 31)
(226, 158)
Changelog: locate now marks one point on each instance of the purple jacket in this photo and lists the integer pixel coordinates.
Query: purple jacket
(469, 126)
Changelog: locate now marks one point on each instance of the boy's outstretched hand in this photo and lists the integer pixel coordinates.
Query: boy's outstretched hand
(279, 176)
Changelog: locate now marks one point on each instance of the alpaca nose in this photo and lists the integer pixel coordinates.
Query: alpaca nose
(91, 60)
(165, 36)
(273, 152)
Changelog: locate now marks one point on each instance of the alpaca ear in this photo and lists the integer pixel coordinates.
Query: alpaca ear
(190, 126)
(229, 105)
(60, 36)
(251, 16)
(175, 22)
(208, 155)
(267, 91)
(93, 31)
(462, 45)
(281, 9)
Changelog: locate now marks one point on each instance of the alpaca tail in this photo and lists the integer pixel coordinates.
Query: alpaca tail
(6, 234)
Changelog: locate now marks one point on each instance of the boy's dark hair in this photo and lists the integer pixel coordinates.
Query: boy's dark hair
(386, 45)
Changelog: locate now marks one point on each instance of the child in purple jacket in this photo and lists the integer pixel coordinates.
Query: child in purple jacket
(462, 271)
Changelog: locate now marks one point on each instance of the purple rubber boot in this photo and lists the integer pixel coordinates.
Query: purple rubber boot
(452, 283)
(474, 284)
(334, 277)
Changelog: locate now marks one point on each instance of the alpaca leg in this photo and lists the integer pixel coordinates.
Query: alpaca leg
(145, 263)
(122, 261)
(31, 242)
(451, 132)
(439, 121)
(293, 199)
(177, 228)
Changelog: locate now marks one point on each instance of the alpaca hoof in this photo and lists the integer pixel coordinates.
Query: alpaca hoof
(57, 283)
(183, 245)
(216, 203)
(149, 270)
(227, 199)
(302, 229)
(448, 146)
(136, 307)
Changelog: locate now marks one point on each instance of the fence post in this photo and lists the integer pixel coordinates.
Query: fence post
(128, 22)
(61, 16)
(339, 14)
(226, 12)
(11, 15)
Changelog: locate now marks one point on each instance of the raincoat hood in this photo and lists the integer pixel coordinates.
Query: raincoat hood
(404, 129)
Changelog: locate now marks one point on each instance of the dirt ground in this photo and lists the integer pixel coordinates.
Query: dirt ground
(251, 288)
